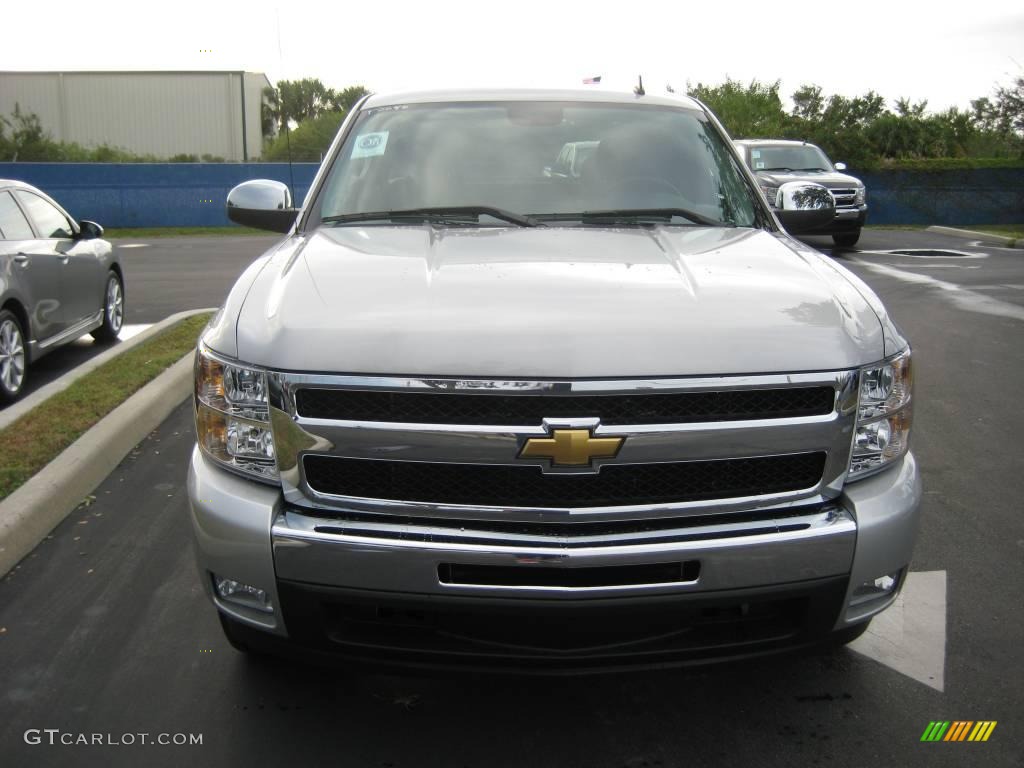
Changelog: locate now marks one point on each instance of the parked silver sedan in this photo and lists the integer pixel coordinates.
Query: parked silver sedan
(59, 279)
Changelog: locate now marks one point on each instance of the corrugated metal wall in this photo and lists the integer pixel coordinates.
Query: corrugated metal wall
(158, 113)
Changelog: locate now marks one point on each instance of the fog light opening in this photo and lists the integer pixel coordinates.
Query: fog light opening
(880, 588)
(240, 593)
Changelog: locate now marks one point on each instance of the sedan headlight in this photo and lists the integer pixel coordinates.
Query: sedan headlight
(860, 196)
(233, 416)
(771, 194)
(884, 415)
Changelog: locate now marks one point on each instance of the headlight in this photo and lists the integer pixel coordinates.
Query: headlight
(860, 196)
(233, 416)
(884, 415)
(771, 194)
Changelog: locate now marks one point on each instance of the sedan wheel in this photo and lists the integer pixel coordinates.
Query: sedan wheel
(12, 356)
(113, 310)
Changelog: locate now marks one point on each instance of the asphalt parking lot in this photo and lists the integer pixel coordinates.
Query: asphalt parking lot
(103, 629)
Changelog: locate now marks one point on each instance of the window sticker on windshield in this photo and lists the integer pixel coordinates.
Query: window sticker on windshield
(758, 166)
(370, 144)
(755, 153)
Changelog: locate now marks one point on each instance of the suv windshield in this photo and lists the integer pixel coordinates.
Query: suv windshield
(787, 157)
(543, 160)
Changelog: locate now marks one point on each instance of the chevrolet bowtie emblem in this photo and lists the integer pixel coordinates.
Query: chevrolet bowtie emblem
(571, 448)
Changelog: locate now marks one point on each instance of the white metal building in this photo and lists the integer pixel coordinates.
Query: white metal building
(157, 113)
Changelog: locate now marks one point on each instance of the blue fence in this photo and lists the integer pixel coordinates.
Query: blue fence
(960, 197)
(151, 194)
(193, 194)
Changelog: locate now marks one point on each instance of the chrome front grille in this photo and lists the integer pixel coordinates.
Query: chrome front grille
(845, 198)
(690, 446)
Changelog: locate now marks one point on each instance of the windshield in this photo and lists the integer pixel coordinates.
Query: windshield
(539, 159)
(785, 157)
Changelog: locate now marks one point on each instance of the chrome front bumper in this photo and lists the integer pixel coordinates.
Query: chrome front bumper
(245, 531)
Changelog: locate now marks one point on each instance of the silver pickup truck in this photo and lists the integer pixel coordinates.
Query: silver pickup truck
(468, 413)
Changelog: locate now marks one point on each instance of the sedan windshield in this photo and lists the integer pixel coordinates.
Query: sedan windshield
(788, 157)
(527, 163)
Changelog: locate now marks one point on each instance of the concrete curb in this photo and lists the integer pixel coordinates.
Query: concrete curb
(1007, 242)
(35, 509)
(14, 412)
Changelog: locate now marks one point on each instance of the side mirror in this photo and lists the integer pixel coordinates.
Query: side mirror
(805, 207)
(263, 204)
(89, 230)
(840, 166)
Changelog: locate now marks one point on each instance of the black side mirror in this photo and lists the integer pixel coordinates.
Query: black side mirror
(263, 204)
(89, 230)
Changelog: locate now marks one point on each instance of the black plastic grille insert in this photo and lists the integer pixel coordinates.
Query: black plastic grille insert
(502, 409)
(527, 486)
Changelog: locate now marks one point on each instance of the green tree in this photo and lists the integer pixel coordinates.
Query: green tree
(808, 103)
(22, 138)
(309, 141)
(293, 102)
(746, 111)
(344, 100)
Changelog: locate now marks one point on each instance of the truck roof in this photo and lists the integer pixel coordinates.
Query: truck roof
(510, 94)
(789, 142)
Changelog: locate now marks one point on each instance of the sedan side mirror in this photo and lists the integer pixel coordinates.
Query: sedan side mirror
(89, 230)
(805, 207)
(840, 166)
(263, 204)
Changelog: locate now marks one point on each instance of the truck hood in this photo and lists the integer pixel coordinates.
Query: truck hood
(830, 179)
(558, 302)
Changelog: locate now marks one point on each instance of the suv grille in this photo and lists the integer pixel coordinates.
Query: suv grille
(493, 409)
(844, 197)
(526, 486)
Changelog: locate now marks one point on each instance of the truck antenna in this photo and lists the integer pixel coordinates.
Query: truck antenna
(639, 89)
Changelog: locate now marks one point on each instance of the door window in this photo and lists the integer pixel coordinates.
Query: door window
(48, 220)
(13, 225)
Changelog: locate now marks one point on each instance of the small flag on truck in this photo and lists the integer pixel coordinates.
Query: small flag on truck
(592, 80)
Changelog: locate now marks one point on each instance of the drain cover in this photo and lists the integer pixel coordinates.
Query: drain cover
(931, 253)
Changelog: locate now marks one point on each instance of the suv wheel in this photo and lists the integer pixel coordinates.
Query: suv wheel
(12, 356)
(846, 239)
(113, 309)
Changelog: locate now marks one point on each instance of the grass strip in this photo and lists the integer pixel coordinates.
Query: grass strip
(33, 441)
(136, 233)
(1015, 231)
(899, 227)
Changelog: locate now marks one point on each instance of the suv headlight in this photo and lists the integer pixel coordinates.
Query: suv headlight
(860, 196)
(884, 415)
(772, 194)
(233, 416)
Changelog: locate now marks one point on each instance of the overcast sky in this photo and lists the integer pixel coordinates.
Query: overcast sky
(944, 52)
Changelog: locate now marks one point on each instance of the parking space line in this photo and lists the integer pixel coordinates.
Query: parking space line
(910, 636)
(962, 298)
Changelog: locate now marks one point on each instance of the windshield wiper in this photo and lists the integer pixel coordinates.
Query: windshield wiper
(439, 213)
(636, 215)
(779, 168)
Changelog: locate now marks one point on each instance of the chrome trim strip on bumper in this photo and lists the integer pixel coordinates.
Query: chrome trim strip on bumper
(729, 559)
